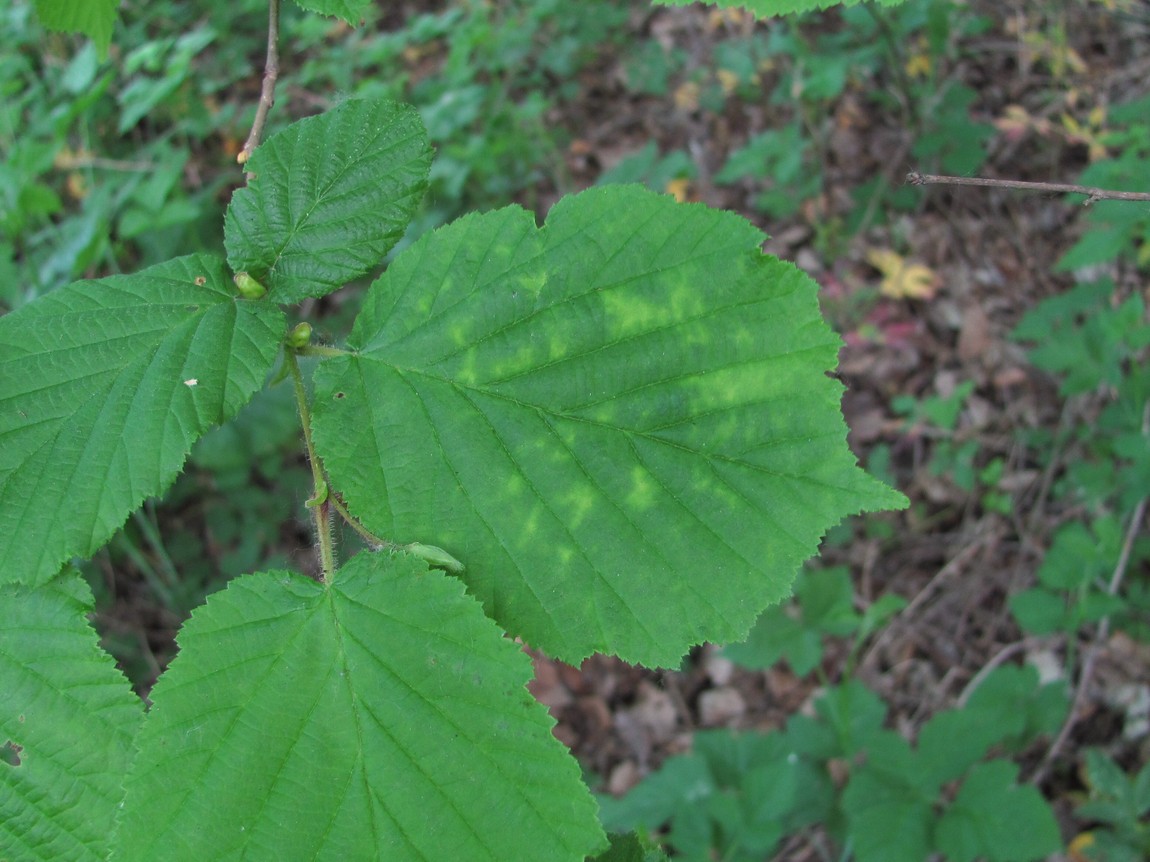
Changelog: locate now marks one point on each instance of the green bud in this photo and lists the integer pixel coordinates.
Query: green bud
(249, 288)
(299, 336)
(436, 557)
(320, 497)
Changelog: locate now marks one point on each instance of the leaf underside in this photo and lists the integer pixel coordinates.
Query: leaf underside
(620, 423)
(67, 725)
(381, 717)
(104, 387)
(328, 198)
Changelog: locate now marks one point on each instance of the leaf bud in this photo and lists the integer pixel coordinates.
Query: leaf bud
(435, 557)
(249, 288)
(299, 336)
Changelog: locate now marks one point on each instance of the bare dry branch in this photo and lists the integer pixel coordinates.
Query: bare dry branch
(1092, 194)
(268, 89)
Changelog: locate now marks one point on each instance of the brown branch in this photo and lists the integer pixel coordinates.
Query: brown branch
(268, 90)
(1092, 194)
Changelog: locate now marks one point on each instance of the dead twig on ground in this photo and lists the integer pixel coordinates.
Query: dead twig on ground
(955, 564)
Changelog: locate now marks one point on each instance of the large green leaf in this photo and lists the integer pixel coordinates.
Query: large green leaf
(104, 386)
(93, 18)
(620, 423)
(770, 8)
(380, 717)
(350, 11)
(66, 727)
(328, 197)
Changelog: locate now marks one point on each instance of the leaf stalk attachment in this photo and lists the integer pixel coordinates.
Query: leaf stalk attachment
(433, 555)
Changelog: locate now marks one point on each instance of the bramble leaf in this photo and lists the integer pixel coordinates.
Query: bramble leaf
(994, 818)
(93, 18)
(328, 198)
(66, 728)
(619, 423)
(104, 387)
(380, 717)
(889, 811)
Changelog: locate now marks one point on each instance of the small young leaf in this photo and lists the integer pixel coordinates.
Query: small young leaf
(68, 721)
(1022, 706)
(379, 717)
(855, 713)
(104, 387)
(621, 421)
(994, 818)
(889, 811)
(436, 557)
(683, 782)
(328, 198)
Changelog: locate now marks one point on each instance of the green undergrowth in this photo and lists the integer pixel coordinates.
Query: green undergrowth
(130, 155)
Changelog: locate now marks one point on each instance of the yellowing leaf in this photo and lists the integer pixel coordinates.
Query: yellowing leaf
(679, 188)
(687, 96)
(1078, 846)
(918, 66)
(902, 279)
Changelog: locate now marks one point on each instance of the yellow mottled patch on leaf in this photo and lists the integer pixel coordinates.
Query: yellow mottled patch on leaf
(901, 278)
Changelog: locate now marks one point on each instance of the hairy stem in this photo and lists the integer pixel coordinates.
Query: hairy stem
(320, 501)
(372, 540)
(268, 89)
